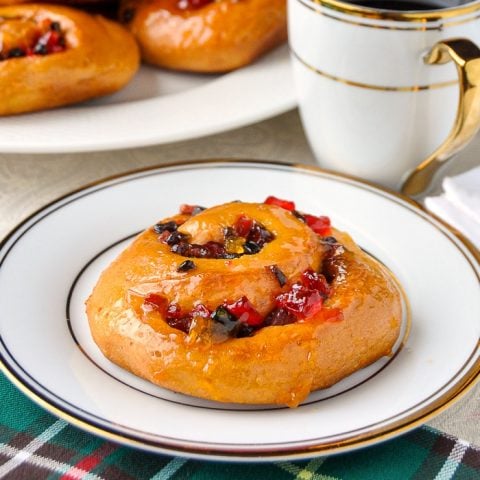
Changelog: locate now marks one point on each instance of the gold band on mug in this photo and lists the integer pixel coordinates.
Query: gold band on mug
(404, 16)
(423, 26)
(412, 88)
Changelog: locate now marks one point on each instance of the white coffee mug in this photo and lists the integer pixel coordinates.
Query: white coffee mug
(386, 95)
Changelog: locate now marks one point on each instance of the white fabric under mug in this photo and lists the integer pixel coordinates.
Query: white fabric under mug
(371, 104)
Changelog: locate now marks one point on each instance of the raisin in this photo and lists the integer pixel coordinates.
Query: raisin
(16, 52)
(333, 264)
(40, 49)
(176, 237)
(186, 266)
(279, 275)
(278, 317)
(127, 15)
(165, 227)
(197, 251)
(251, 248)
(55, 27)
(181, 248)
(329, 240)
(245, 331)
(215, 249)
(229, 232)
(259, 235)
(299, 216)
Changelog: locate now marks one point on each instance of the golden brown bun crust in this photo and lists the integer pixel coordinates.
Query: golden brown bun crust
(218, 37)
(101, 57)
(278, 364)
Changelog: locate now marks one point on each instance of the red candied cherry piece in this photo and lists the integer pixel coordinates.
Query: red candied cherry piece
(301, 301)
(176, 319)
(186, 209)
(57, 49)
(320, 225)
(53, 39)
(243, 225)
(181, 323)
(315, 281)
(286, 204)
(154, 301)
(174, 311)
(245, 312)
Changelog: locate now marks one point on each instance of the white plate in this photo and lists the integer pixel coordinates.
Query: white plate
(49, 264)
(158, 107)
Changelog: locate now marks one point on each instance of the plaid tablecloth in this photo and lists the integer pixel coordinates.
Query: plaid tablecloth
(35, 445)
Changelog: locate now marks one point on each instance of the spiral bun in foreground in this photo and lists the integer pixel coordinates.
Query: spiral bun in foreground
(205, 35)
(245, 303)
(53, 55)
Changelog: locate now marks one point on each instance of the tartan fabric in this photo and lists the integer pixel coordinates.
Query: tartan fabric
(35, 445)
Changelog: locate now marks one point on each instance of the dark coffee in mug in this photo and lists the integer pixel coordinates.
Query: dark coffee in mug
(409, 5)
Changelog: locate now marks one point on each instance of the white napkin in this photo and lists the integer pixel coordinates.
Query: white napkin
(459, 205)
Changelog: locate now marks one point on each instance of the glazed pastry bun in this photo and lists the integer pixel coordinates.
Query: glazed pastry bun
(245, 303)
(53, 55)
(204, 35)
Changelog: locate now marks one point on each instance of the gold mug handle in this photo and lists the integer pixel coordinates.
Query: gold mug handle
(466, 56)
